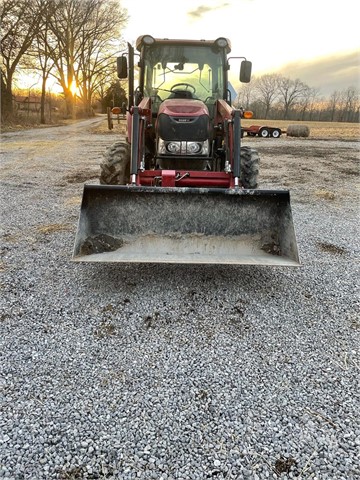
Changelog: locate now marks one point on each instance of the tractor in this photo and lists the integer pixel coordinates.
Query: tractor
(181, 188)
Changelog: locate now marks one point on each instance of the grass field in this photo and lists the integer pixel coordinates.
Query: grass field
(324, 130)
(321, 130)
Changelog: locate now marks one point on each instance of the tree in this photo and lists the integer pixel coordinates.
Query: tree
(83, 32)
(115, 96)
(65, 23)
(333, 104)
(266, 88)
(290, 91)
(39, 57)
(20, 21)
(307, 102)
(245, 95)
(99, 44)
(349, 100)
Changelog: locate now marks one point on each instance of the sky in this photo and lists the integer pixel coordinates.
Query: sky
(317, 41)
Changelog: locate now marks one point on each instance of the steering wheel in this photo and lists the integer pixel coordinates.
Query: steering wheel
(186, 85)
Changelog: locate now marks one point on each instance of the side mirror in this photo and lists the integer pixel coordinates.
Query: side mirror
(245, 71)
(121, 64)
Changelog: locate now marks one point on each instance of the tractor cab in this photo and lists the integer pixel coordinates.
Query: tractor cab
(183, 69)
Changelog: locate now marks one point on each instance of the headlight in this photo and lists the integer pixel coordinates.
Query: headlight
(173, 147)
(183, 148)
(193, 148)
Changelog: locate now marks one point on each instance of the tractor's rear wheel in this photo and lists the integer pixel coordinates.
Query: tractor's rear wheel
(115, 167)
(249, 161)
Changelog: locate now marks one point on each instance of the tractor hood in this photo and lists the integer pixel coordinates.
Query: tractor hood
(183, 107)
(183, 120)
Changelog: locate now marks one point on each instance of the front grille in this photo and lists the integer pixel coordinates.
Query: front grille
(182, 163)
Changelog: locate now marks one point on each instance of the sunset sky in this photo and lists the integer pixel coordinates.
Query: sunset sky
(315, 40)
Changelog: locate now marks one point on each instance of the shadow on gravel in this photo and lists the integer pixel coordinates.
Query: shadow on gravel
(167, 276)
(81, 176)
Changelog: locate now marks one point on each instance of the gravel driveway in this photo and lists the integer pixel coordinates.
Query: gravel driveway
(177, 372)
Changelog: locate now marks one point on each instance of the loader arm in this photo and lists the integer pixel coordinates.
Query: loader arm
(138, 122)
(227, 120)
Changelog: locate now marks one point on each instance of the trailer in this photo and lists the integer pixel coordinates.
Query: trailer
(262, 131)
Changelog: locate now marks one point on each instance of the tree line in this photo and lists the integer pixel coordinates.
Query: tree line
(76, 42)
(278, 97)
(73, 41)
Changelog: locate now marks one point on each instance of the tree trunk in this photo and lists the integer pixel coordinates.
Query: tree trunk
(6, 99)
(42, 104)
(70, 104)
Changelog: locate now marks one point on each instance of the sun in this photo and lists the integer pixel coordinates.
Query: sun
(74, 89)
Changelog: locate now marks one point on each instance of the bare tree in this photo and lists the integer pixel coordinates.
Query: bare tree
(290, 91)
(83, 32)
(349, 100)
(46, 65)
(245, 94)
(99, 45)
(307, 102)
(65, 23)
(20, 21)
(333, 104)
(266, 89)
(38, 57)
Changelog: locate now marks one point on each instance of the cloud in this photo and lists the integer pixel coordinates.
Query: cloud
(330, 73)
(202, 10)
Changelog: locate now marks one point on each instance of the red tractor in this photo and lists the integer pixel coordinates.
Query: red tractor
(181, 188)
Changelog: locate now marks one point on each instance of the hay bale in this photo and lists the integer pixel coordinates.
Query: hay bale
(298, 131)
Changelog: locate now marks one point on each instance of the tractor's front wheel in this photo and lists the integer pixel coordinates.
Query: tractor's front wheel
(115, 167)
(249, 170)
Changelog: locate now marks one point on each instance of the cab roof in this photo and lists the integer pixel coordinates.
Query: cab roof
(221, 42)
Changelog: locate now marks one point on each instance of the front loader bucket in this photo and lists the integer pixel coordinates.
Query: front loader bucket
(185, 225)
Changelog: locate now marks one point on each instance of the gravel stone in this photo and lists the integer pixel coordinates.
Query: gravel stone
(177, 371)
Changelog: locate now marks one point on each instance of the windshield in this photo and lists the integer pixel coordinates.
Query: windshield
(196, 70)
